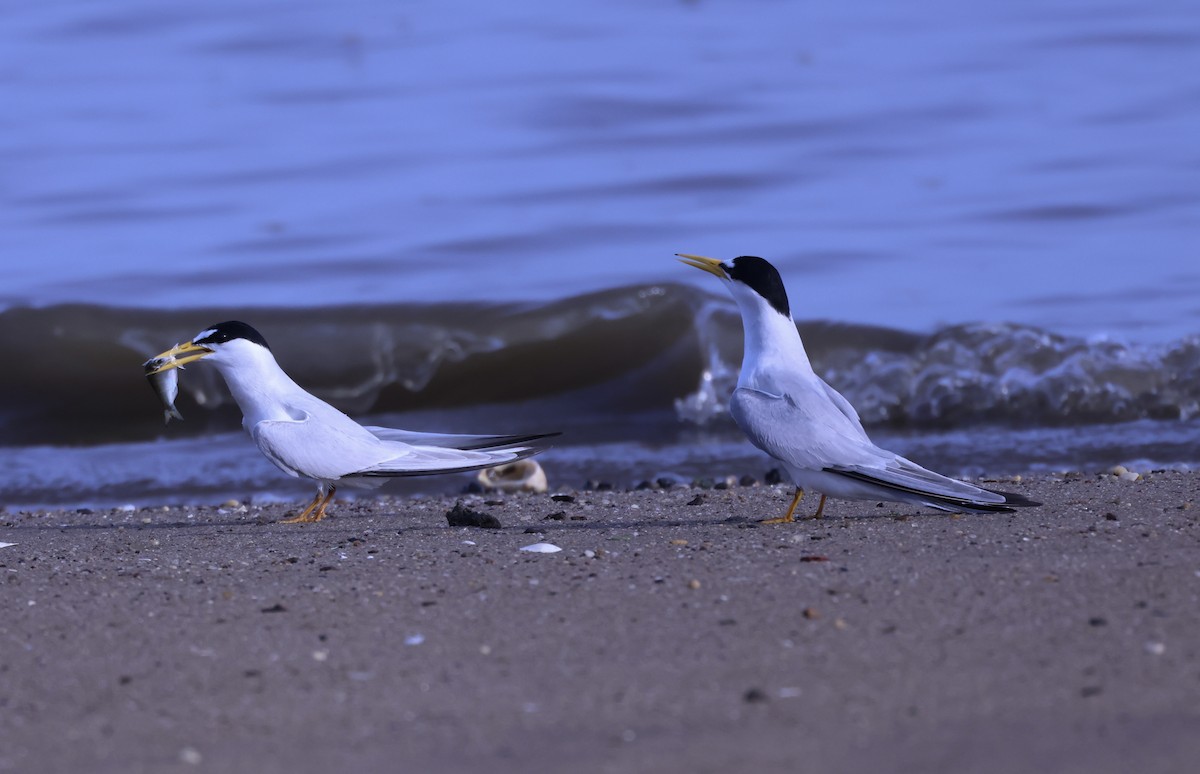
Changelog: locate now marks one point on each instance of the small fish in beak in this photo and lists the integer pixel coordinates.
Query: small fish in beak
(165, 384)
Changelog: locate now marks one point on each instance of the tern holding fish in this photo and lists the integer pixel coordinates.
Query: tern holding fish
(306, 437)
(792, 414)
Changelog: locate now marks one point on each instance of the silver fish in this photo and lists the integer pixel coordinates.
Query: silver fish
(166, 386)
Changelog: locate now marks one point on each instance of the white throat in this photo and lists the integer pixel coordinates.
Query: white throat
(772, 342)
(260, 387)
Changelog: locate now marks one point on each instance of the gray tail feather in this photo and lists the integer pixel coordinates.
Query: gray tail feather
(462, 442)
(950, 503)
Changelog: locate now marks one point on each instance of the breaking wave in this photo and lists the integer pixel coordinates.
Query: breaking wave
(74, 376)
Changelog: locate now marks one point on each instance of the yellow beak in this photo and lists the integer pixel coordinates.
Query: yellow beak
(710, 265)
(176, 357)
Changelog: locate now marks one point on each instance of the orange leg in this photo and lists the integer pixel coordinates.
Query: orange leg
(320, 514)
(788, 518)
(820, 508)
(307, 515)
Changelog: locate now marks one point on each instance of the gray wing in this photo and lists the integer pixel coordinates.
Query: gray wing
(803, 427)
(842, 405)
(813, 434)
(328, 452)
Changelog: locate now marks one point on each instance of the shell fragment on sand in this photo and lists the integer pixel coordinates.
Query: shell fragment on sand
(541, 547)
(519, 476)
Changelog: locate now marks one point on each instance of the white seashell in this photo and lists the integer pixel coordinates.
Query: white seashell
(519, 476)
(1129, 475)
(6, 545)
(542, 548)
(1117, 470)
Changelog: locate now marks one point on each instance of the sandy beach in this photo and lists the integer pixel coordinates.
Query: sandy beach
(671, 633)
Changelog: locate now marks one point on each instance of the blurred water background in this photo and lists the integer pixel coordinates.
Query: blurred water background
(461, 216)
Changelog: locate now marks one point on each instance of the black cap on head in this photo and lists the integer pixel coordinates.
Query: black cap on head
(762, 278)
(228, 331)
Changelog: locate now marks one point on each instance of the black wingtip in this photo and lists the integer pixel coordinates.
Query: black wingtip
(501, 441)
(1012, 498)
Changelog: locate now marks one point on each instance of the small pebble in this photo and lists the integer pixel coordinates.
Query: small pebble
(693, 584)
(462, 516)
(754, 696)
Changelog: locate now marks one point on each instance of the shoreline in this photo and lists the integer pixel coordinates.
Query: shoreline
(672, 632)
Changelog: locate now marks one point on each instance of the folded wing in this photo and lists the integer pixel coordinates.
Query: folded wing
(329, 451)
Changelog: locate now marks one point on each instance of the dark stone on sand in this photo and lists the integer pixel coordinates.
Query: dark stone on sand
(665, 482)
(462, 516)
(697, 500)
(704, 483)
(747, 480)
(643, 485)
(774, 476)
(1097, 621)
(754, 696)
(563, 498)
(275, 608)
(560, 516)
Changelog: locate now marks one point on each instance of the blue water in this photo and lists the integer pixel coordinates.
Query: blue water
(905, 164)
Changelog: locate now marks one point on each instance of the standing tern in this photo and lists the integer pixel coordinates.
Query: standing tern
(793, 415)
(306, 437)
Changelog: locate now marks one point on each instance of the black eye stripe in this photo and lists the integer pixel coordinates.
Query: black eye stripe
(761, 277)
(230, 330)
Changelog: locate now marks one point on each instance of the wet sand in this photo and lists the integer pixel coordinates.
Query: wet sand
(671, 633)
